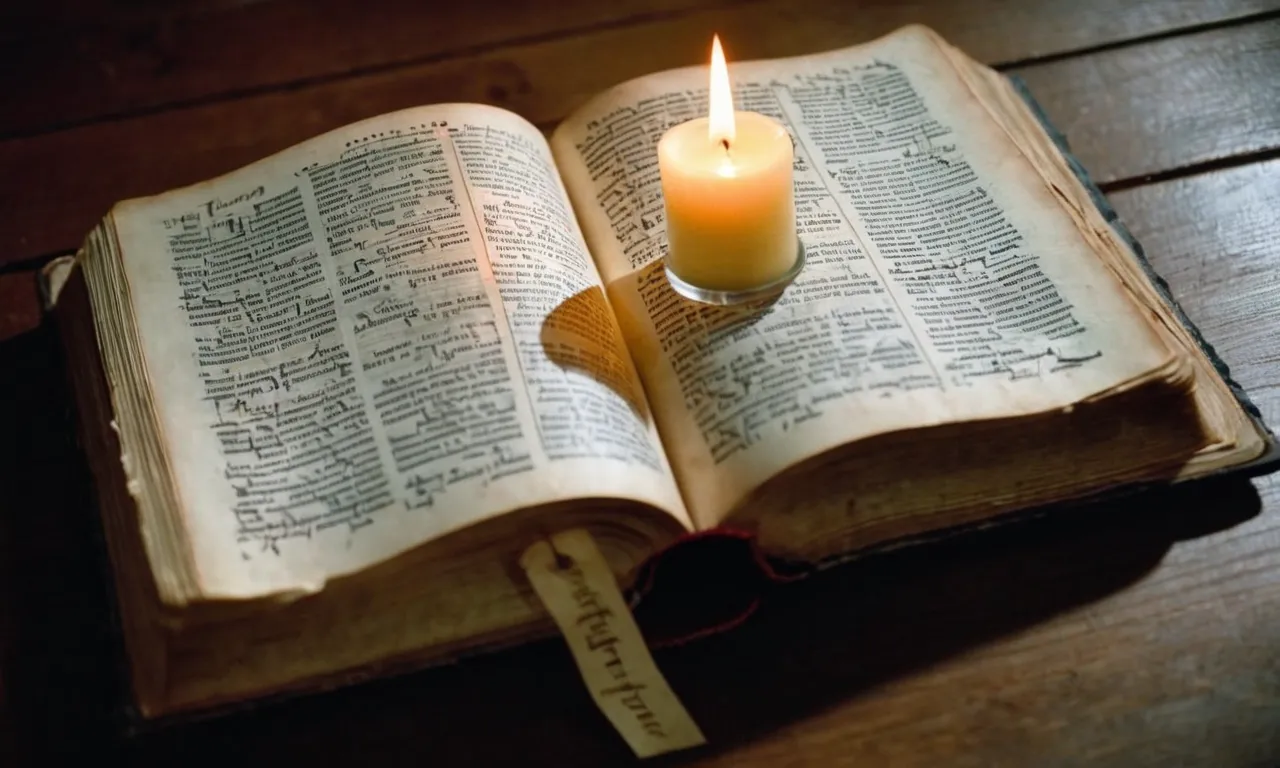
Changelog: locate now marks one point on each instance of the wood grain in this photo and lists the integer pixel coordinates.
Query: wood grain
(119, 58)
(1168, 104)
(83, 171)
(1139, 633)
(103, 59)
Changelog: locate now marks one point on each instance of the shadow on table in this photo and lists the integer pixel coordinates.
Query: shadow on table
(810, 645)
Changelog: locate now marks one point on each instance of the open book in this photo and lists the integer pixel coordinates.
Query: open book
(331, 397)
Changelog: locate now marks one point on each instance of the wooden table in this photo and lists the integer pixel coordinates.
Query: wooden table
(1144, 633)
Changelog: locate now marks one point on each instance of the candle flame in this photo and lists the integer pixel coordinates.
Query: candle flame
(721, 123)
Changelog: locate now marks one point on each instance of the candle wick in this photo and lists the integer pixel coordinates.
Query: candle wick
(725, 143)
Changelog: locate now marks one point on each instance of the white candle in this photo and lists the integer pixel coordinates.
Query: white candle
(727, 188)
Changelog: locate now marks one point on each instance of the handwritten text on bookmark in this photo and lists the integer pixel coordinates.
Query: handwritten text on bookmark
(578, 589)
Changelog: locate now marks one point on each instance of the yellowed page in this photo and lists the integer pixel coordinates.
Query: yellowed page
(377, 337)
(944, 282)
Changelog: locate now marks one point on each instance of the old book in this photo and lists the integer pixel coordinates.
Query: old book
(331, 397)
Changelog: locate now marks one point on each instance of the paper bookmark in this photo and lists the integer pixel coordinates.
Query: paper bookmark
(580, 592)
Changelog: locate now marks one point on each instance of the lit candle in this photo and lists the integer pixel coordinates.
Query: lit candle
(726, 183)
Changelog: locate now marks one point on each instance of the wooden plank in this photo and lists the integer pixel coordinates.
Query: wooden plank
(1184, 101)
(1141, 633)
(83, 171)
(99, 61)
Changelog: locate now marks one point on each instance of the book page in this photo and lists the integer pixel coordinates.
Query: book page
(377, 337)
(943, 281)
